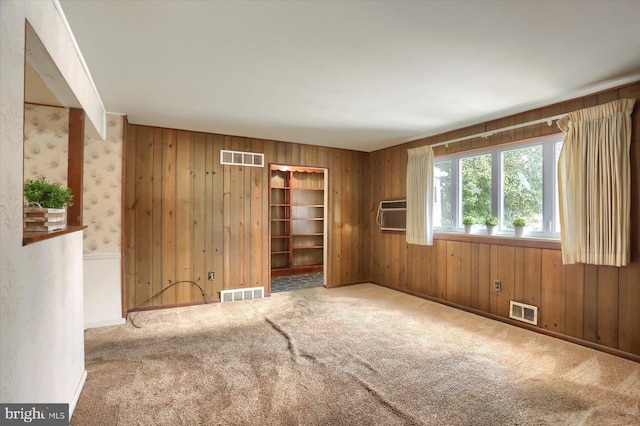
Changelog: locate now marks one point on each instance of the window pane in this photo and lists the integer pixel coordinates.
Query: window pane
(522, 186)
(442, 206)
(476, 186)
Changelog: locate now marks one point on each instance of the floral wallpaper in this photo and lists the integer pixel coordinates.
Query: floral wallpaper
(103, 189)
(45, 143)
(45, 154)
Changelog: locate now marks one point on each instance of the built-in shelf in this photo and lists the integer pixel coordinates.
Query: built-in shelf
(34, 237)
(297, 220)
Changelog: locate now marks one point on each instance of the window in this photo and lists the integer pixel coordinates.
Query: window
(475, 179)
(508, 181)
(521, 186)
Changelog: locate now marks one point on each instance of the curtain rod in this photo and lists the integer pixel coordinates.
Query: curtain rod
(548, 120)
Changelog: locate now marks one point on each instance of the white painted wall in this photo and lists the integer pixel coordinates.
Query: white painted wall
(41, 288)
(102, 297)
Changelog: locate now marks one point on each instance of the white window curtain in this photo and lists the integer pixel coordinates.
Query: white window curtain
(594, 181)
(420, 183)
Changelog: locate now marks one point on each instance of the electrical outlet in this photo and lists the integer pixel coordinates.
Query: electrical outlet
(497, 285)
(211, 275)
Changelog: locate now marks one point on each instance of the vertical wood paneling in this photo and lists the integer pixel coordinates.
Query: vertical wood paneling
(143, 218)
(484, 277)
(129, 222)
(346, 212)
(590, 328)
(574, 300)
(198, 206)
(188, 214)
(607, 311)
(210, 213)
(532, 276)
(506, 269)
(184, 215)
(226, 215)
(552, 291)
(493, 272)
(335, 219)
(168, 216)
(377, 253)
(246, 213)
(465, 274)
(236, 228)
(518, 274)
(474, 289)
(628, 313)
(259, 252)
(218, 221)
(363, 215)
(156, 215)
(441, 279)
(454, 265)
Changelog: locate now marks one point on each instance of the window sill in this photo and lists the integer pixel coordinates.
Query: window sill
(503, 240)
(34, 237)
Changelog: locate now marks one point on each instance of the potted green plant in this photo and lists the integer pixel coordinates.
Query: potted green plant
(46, 205)
(518, 226)
(468, 222)
(490, 222)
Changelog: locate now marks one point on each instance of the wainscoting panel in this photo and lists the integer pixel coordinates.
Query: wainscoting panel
(102, 290)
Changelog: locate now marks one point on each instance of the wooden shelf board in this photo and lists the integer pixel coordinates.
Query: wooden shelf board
(34, 237)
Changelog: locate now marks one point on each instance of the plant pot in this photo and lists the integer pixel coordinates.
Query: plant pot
(490, 229)
(39, 219)
(467, 229)
(519, 231)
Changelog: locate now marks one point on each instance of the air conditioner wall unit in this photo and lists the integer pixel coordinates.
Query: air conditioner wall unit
(392, 215)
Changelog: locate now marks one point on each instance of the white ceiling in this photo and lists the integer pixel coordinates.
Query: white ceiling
(359, 75)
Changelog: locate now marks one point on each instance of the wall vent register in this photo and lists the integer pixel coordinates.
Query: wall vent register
(241, 294)
(240, 158)
(522, 312)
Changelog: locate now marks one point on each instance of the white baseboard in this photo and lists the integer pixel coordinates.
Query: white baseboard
(105, 323)
(101, 256)
(76, 394)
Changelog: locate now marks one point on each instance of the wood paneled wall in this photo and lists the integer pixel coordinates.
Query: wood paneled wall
(598, 304)
(186, 214)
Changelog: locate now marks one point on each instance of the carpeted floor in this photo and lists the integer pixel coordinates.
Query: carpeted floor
(358, 355)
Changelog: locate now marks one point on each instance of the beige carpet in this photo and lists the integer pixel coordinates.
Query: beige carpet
(358, 355)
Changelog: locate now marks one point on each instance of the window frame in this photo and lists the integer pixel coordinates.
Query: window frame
(549, 190)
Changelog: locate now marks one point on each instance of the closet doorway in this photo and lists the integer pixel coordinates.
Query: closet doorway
(297, 227)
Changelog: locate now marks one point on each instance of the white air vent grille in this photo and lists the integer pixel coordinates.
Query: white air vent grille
(522, 312)
(242, 294)
(239, 158)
